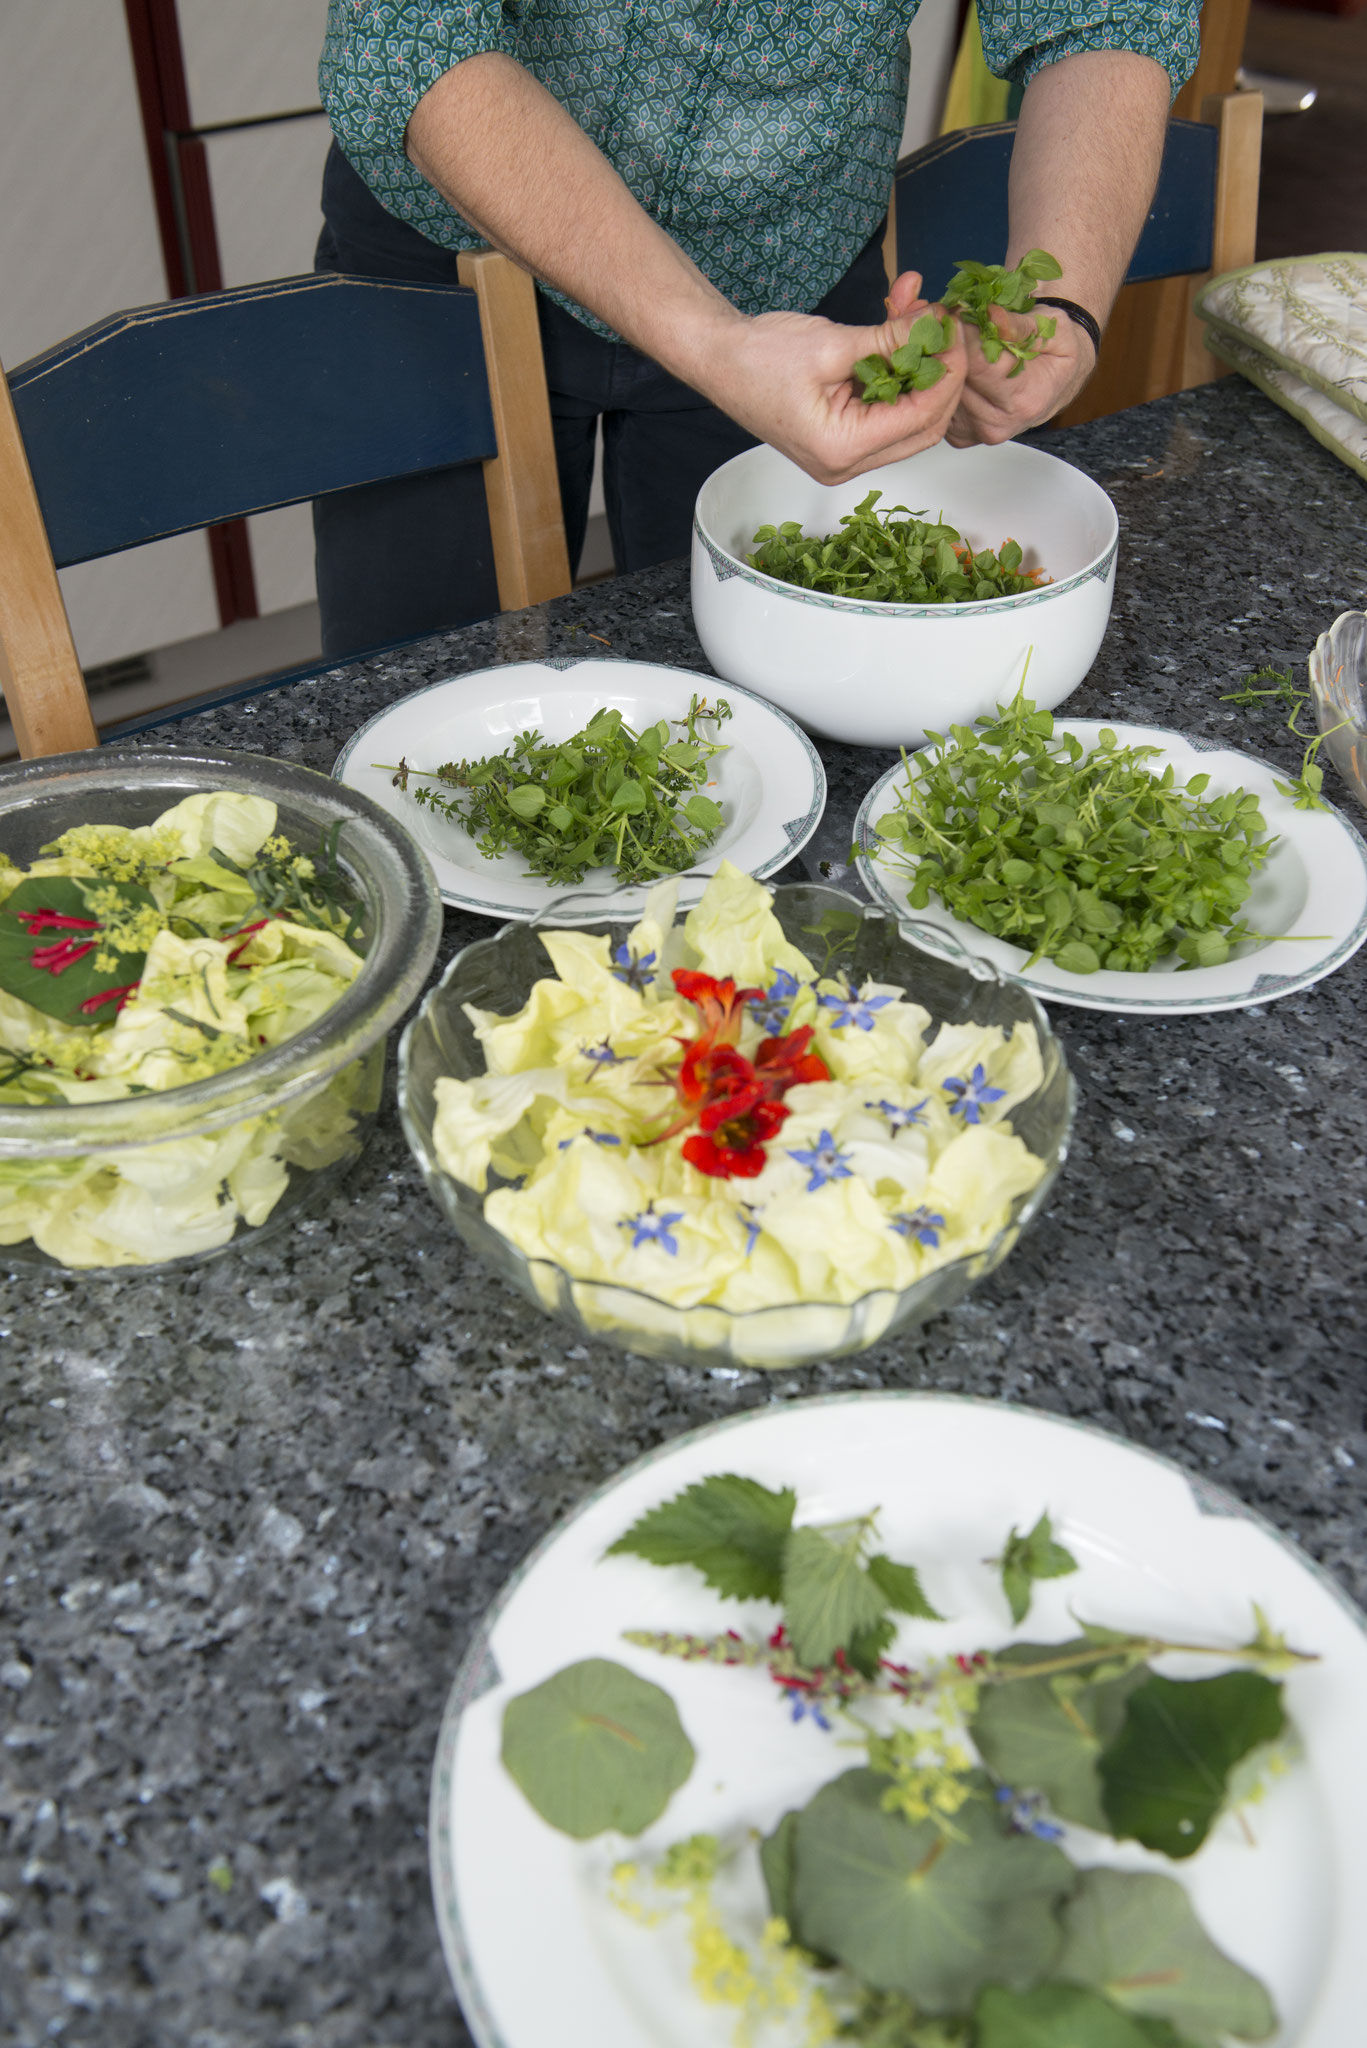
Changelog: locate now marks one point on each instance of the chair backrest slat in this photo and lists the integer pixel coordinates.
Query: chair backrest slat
(951, 204)
(177, 416)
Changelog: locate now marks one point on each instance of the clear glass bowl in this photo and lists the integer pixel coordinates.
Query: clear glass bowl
(321, 1088)
(1338, 686)
(498, 973)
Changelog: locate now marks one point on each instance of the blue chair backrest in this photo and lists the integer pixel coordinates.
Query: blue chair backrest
(177, 416)
(951, 204)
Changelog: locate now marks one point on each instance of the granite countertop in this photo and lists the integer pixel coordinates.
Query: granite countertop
(248, 1515)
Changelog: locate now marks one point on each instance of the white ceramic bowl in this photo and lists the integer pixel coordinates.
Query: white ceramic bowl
(881, 674)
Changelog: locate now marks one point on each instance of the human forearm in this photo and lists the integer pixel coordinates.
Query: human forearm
(496, 145)
(512, 162)
(1089, 143)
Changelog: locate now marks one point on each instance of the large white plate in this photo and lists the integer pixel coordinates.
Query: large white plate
(537, 1952)
(1312, 892)
(770, 782)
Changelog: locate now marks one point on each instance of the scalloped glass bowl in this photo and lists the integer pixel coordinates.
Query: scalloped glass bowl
(498, 973)
(150, 1141)
(1338, 686)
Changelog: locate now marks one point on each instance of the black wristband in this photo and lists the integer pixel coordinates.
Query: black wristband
(1079, 314)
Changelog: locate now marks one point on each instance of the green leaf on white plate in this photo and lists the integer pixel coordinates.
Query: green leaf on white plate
(1134, 1936)
(729, 1528)
(596, 1747)
(51, 965)
(776, 1853)
(909, 1909)
(1037, 1736)
(1054, 2016)
(1165, 1776)
(1027, 1558)
(828, 1596)
(900, 1585)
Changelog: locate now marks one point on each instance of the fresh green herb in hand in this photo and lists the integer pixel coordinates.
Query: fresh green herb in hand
(1087, 859)
(892, 559)
(976, 288)
(972, 292)
(609, 796)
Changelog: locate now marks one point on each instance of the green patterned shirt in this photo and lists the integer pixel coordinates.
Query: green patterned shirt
(761, 134)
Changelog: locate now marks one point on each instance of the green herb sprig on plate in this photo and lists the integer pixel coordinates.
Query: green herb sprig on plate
(925, 1898)
(608, 796)
(892, 557)
(1088, 859)
(1305, 790)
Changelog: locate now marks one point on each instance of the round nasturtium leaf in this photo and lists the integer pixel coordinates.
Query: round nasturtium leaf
(908, 1908)
(596, 1747)
(1164, 1778)
(1052, 2016)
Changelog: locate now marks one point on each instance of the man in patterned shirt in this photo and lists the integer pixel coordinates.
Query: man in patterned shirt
(699, 188)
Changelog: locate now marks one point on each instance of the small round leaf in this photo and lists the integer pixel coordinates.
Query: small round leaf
(595, 1747)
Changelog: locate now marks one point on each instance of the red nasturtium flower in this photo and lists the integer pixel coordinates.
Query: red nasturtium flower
(735, 1103)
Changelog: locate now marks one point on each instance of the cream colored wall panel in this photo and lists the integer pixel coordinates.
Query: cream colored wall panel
(245, 57)
(282, 557)
(127, 604)
(267, 183)
(78, 235)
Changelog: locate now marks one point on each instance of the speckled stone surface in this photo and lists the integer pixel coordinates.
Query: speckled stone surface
(247, 1516)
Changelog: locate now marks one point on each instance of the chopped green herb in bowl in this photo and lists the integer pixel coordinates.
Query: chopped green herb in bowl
(892, 559)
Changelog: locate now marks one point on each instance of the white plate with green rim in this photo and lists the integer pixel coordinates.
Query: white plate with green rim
(529, 1932)
(769, 783)
(1312, 893)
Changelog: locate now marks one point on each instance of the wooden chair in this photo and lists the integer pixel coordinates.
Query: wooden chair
(177, 416)
(949, 201)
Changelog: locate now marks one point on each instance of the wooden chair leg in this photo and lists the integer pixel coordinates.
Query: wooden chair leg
(40, 674)
(1239, 118)
(521, 482)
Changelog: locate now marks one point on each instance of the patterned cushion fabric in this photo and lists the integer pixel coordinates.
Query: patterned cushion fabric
(1297, 328)
(760, 133)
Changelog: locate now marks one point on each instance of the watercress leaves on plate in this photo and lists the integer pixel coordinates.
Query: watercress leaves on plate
(1134, 1936)
(1046, 1734)
(1165, 1776)
(908, 1908)
(1027, 1558)
(730, 1528)
(595, 1747)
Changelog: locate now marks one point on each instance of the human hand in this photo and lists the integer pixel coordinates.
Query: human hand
(787, 377)
(999, 400)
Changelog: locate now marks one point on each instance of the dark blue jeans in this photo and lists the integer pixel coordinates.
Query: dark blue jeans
(414, 556)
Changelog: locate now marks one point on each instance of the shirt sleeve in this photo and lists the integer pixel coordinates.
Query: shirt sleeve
(1021, 36)
(381, 56)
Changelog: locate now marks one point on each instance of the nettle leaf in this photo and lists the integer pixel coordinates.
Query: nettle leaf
(1165, 1775)
(61, 934)
(729, 1528)
(1027, 1558)
(828, 1596)
(596, 1747)
(1037, 1736)
(907, 1908)
(1053, 2016)
(866, 1646)
(1134, 1936)
(900, 1585)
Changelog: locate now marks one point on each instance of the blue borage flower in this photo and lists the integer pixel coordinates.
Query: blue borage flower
(598, 1137)
(824, 1162)
(972, 1096)
(899, 1117)
(602, 1054)
(920, 1224)
(750, 1223)
(801, 1705)
(648, 1228)
(1024, 1816)
(852, 1010)
(771, 1011)
(636, 972)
